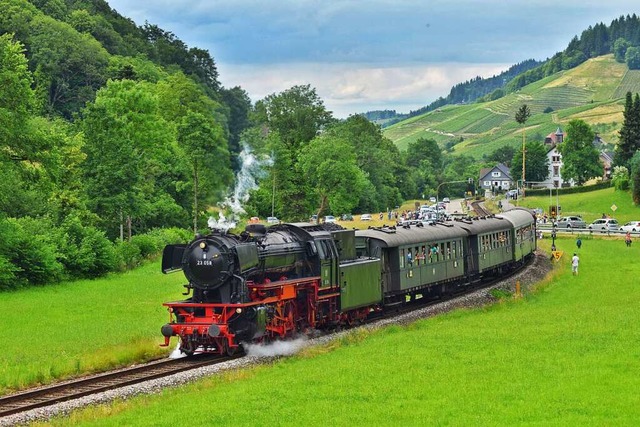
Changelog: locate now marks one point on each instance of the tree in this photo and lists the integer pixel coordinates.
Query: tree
(376, 156)
(69, 66)
(294, 117)
(630, 131)
(580, 158)
(537, 166)
(16, 100)
(503, 155)
(330, 164)
(425, 159)
(635, 178)
(202, 140)
(239, 104)
(522, 115)
(297, 114)
(125, 141)
(620, 49)
(620, 178)
(632, 58)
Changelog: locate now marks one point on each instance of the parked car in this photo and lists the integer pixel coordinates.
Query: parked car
(313, 219)
(604, 224)
(446, 200)
(571, 222)
(346, 217)
(272, 220)
(365, 217)
(631, 226)
(254, 220)
(432, 199)
(329, 218)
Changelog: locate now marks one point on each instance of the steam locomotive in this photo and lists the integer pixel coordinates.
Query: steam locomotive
(272, 283)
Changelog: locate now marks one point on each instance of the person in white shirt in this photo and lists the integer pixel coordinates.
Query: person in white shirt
(574, 264)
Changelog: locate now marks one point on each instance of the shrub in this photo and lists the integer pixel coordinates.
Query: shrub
(620, 178)
(27, 246)
(127, 255)
(147, 245)
(170, 236)
(84, 250)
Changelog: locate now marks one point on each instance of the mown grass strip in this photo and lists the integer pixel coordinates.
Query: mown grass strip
(92, 325)
(564, 355)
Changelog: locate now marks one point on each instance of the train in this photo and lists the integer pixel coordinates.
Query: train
(271, 283)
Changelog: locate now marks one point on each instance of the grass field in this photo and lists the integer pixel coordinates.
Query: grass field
(60, 330)
(565, 354)
(589, 206)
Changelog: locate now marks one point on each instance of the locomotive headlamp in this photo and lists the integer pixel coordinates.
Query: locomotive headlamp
(203, 246)
(238, 310)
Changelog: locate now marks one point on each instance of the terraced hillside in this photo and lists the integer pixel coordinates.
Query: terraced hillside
(593, 92)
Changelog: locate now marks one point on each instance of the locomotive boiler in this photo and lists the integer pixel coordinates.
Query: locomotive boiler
(264, 284)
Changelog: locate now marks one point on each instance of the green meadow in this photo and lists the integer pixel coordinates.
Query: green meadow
(566, 353)
(590, 205)
(62, 330)
(594, 92)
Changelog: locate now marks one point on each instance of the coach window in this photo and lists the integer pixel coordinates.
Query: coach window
(401, 258)
(453, 249)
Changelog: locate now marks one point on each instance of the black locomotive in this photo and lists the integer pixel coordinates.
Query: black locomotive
(269, 283)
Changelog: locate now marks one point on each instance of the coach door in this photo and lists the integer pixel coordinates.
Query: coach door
(471, 255)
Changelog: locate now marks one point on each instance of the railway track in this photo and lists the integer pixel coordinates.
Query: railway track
(69, 390)
(479, 209)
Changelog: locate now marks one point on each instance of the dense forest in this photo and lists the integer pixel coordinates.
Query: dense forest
(116, 139)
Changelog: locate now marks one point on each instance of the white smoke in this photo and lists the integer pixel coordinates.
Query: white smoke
(221, 223)
(176, 353)
(276, 348)
(251, 170)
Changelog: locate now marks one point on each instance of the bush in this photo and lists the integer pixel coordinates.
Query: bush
(620, 178)
(147, 245)
(84, 250)
(170, 236)
(127, 255)
(27, 246)
(570, 190)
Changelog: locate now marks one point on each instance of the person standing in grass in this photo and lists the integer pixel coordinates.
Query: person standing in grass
(578, 243)
(627, 239)
(574, 264)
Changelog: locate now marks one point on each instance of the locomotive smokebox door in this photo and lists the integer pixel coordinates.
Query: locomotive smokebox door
(172, 258)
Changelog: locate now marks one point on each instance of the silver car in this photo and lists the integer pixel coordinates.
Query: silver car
(571, 222)
(604, 224)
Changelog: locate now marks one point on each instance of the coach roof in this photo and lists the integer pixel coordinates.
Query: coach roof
(408, 236)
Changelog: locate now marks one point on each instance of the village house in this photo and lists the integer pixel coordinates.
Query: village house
(496, 179)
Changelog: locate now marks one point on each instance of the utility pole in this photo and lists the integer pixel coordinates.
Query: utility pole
(522, 115)
(524, 152)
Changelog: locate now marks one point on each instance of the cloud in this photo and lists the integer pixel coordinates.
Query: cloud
(348, 88)
(396, 54)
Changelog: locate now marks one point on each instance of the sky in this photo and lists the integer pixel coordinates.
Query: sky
(371, 55)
